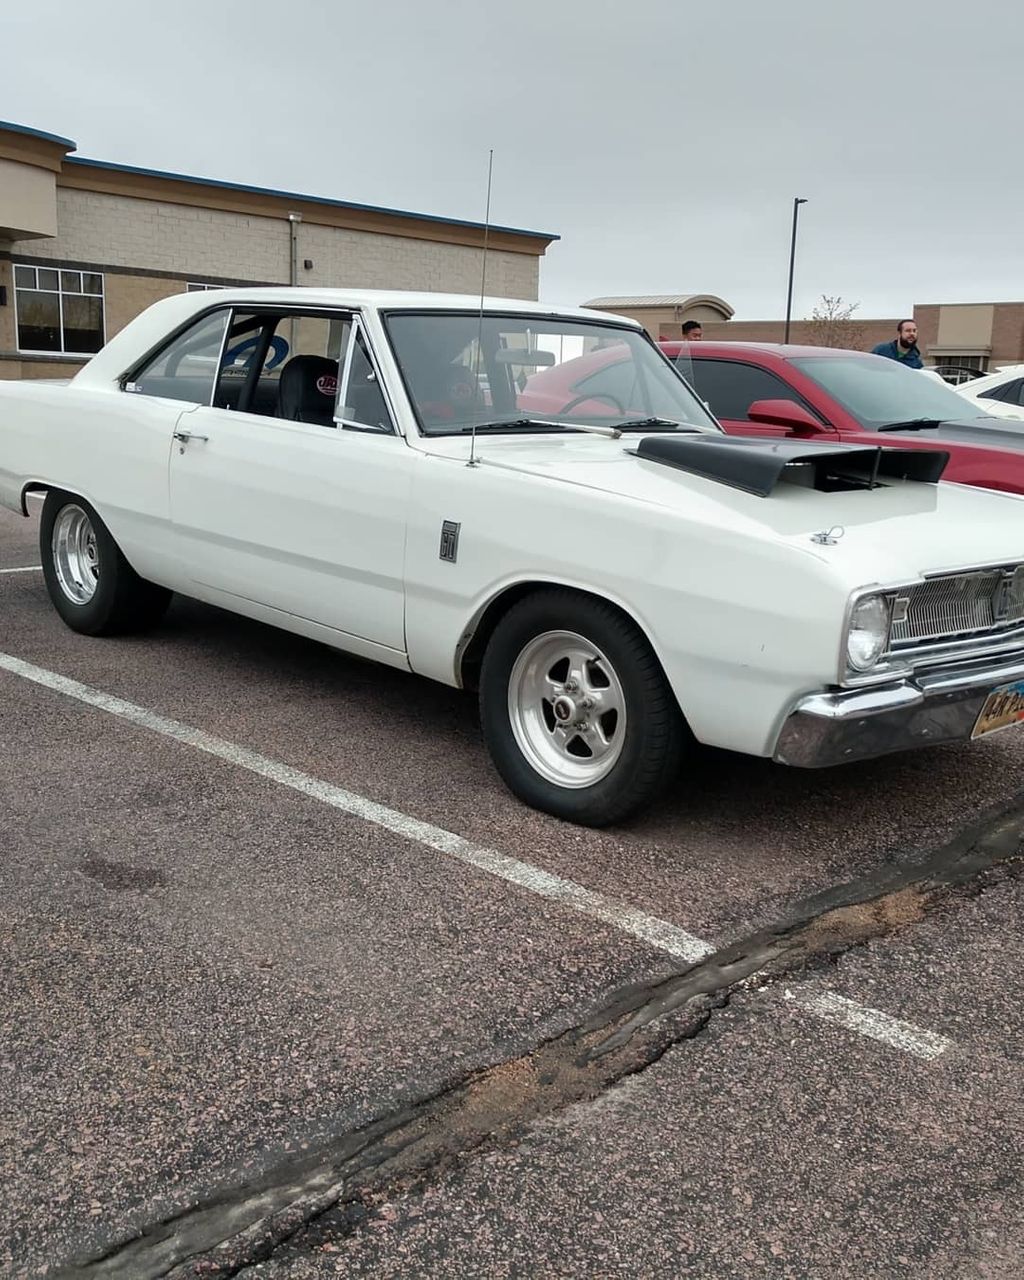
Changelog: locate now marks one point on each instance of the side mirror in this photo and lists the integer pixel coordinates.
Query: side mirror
(784, 413)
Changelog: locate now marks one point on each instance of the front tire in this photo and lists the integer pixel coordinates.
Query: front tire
(90, 583)
(576, 712)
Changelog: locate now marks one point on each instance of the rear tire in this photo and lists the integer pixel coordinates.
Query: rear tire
(576, 711)
(90, 583)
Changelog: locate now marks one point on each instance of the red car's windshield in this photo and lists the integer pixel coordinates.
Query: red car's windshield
(878, 392)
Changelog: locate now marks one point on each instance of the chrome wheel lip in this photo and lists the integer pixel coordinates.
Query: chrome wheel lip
(75, 554)
(545, 749)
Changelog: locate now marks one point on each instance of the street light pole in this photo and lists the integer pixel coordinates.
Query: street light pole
(797, 202)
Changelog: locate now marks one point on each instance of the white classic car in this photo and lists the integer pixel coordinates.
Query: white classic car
(617, 577)
(1000, 394)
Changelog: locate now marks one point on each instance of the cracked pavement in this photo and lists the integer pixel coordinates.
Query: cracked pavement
(763, 1147)
(209, 979)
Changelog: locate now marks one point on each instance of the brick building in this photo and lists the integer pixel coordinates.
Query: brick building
(979, 336)
(85, 246)
(664, 314)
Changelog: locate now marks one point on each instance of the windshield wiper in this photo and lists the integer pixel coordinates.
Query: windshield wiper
(912, 424)
(656, 424)
(543, 424)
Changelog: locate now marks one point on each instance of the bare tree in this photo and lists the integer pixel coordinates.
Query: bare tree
(832, 324)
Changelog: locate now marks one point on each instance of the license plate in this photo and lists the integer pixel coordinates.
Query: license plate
(1003, 707)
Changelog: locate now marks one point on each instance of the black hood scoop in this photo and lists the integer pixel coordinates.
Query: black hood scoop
(757, 466)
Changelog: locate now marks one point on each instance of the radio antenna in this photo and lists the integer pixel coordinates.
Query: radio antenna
(480, 324)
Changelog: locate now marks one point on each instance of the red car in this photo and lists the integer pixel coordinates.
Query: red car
(760, 389)
(817, 393)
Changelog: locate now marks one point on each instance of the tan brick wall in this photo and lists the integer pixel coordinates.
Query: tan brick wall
(193, 243)
(657, 321)
(144, 234)
(110, 231)
(364, 260)
(927, 320)
(1007, 334)
(126, 296)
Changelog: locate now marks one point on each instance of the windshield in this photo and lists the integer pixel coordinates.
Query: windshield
(879, 391)
(530, 367)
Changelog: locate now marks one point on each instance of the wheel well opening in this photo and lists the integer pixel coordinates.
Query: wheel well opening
(32, 487)
(473, 654)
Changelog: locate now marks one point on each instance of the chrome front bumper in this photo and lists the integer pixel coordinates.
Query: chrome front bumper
(941, 704)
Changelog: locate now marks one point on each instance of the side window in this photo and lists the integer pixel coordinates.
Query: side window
(730, 388)
(297, 358)
(1009, 392)
(187, 368)
(242, 348)
(362, 402)
(291, 366)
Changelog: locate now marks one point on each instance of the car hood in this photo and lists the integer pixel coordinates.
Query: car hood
(985, 430)
(1004, 410)
(893, 533)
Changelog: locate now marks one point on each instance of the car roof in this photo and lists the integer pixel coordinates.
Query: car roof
(150, 327)
(780, 351)
(385, 299)
(1005, 373)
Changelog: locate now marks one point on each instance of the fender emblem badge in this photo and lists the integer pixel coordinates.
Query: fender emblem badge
(450, 540)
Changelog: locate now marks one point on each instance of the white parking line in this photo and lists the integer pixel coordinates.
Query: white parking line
(28, 568)
(872, 1022)
(657, 933)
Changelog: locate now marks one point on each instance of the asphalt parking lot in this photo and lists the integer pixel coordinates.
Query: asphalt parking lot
(294, 987)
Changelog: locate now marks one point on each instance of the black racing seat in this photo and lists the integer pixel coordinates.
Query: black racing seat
(307, 390)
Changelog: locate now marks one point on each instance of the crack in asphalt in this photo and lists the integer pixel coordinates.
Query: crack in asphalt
(245, 1224)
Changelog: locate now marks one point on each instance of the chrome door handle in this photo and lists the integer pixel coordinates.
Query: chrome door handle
(183, 437)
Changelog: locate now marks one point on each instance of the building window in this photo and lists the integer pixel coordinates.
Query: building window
(193, 287)
(58, 311)
(959, 368)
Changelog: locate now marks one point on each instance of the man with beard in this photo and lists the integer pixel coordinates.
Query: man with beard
(904, 347)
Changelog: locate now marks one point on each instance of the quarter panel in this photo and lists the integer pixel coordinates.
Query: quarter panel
(109, 447)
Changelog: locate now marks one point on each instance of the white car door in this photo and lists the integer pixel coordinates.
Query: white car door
(297, 516)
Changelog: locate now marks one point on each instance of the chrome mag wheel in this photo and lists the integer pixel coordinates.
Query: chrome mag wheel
(75, 554)
(567, 708)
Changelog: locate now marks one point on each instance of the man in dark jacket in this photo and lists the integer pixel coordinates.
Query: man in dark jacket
(904, 348)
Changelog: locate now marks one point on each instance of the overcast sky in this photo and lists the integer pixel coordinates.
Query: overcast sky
(664, 142)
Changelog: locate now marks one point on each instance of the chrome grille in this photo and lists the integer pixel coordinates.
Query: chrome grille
(961, 604)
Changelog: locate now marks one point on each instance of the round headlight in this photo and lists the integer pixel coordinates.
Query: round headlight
(869, 632)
